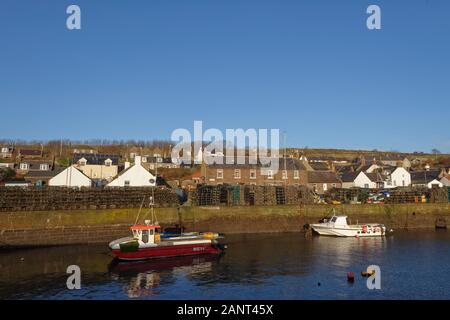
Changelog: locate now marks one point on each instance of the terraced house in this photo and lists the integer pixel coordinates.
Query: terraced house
(290, 172)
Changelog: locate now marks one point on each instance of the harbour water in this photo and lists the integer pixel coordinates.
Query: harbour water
(414, 265)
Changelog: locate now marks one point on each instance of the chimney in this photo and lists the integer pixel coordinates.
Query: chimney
(127, 165)
(137, 160)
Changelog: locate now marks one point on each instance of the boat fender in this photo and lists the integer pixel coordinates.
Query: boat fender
(208, 235)
(220, 246)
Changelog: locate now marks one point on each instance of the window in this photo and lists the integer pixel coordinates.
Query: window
(143, 159)
(82, 162)
(219, 174)
(145, 236)
(237, 173)
(252, 174)
(108, 163)
(43, 166)
(366, 185)
(127, 183)
(269, 174)
(325, 187)
(334, 185)
(24, 166)
(285, 175)
(296, 174)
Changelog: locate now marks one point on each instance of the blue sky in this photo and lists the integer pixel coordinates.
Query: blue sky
(140, 69)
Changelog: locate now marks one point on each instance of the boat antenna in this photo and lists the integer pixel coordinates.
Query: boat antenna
(152, 203)
(139, 212)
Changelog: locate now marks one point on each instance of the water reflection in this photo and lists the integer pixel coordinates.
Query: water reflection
(143, 277)
(262, 266)
(342, 252)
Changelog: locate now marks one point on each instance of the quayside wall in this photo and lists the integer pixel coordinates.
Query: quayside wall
(63, 227)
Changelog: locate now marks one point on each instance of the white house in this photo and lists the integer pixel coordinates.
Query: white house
(357, 180)
(446, 181)
(134, 176)
(428, 178)
(400, 177)
(70, 177)
(434, 183)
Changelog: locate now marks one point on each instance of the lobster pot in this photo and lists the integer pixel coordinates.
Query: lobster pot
(62, 198)
(280, 195)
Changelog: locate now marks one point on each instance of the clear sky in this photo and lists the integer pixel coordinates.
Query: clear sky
(140, 69)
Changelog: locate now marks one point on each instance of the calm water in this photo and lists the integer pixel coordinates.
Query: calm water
(414, 265)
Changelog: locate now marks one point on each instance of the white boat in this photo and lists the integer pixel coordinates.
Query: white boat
(337, 226)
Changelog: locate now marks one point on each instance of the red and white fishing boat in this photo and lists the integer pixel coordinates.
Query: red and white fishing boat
(146, 243)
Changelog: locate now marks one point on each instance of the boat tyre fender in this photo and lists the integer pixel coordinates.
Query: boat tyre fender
(220, 246)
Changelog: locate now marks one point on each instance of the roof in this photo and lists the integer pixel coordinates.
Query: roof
(321, 158)
(349, 176)
(152, 159)
(319, 166)
(96, 158)
(30, 152)
(344, 168)
(36, 164)
(375, 177)
(144, 226)
(423, 177)
(43, 173)
(322, 177)
(197, 174)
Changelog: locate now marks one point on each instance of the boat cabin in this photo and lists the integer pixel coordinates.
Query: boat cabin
(146, 233)
(339, 221)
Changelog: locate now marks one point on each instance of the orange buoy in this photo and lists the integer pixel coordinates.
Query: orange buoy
(350, 277)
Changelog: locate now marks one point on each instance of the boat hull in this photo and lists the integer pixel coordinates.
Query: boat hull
(167, 251)
(346, 232)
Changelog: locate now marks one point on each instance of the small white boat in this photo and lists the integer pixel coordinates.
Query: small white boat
(337, 226)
